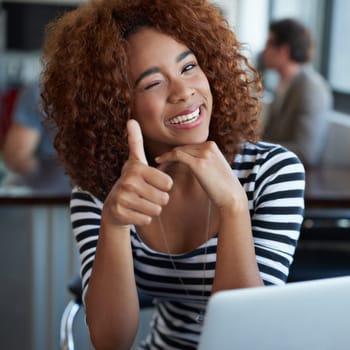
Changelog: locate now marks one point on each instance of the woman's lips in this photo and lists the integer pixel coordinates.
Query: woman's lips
(187, 121)
(185, 118)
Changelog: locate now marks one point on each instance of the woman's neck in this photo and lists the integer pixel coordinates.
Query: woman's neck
(181, 174)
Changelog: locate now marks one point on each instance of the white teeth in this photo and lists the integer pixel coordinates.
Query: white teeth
(185, 119)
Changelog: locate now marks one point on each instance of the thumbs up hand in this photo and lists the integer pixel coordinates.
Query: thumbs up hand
(135, 141)
(141, 191)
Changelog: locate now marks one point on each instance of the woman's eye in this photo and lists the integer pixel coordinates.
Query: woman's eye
(189, 67)
(151, 85)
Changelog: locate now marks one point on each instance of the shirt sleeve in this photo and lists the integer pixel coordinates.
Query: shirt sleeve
(86, 221)
(277, 209)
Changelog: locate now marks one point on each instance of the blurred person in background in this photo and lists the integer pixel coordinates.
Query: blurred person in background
(27, 141)
(298, 117)
(28, 152)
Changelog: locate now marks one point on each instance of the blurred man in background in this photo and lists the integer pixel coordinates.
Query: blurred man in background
(298, 117)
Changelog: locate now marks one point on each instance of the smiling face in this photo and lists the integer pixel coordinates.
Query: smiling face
(172, 98)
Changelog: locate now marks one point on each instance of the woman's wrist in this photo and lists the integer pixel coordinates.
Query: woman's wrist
(115, 229)
(234, 209)
(111, 225)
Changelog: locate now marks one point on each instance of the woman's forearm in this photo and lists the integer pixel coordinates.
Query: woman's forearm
(112, 307)
(236, 265)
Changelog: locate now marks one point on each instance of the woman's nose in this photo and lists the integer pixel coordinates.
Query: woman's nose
(179, 91)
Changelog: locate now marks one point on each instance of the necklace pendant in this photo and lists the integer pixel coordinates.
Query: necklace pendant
(200, 318)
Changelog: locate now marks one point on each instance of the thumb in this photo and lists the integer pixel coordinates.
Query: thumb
(135, 141)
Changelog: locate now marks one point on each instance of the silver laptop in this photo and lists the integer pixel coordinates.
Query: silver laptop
(312, 315)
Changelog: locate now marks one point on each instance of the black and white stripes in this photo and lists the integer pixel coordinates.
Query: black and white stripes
(273, 179)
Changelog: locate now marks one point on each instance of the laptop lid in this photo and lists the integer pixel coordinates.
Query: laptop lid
(311, 315)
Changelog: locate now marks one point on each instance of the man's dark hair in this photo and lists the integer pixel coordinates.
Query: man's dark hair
(294, 34)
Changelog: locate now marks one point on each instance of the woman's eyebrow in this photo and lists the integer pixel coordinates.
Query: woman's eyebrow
(147, 72)
(153, 70)
(183, 55)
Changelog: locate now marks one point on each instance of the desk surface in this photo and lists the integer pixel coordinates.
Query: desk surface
(47, 186)
(33, 198)
(327, 188)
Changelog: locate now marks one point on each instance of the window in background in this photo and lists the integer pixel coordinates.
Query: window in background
(339, 53)
(249, 20)
(252, 24)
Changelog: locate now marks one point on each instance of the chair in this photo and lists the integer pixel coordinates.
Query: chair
(73, 307)
(69, 314)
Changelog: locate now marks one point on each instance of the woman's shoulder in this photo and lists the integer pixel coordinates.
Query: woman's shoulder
(263, 151)
(259, 165)
(262, 157)
(81, 197)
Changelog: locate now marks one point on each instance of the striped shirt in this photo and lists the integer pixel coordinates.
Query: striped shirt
(274, 181)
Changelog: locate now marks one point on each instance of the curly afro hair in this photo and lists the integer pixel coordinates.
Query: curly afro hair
(85, 91)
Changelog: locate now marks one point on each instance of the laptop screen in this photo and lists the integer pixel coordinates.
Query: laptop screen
(311, 315)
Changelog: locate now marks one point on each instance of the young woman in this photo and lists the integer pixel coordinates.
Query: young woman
(156, 116)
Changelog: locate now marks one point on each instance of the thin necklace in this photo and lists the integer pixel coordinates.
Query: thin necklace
(200, 316)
